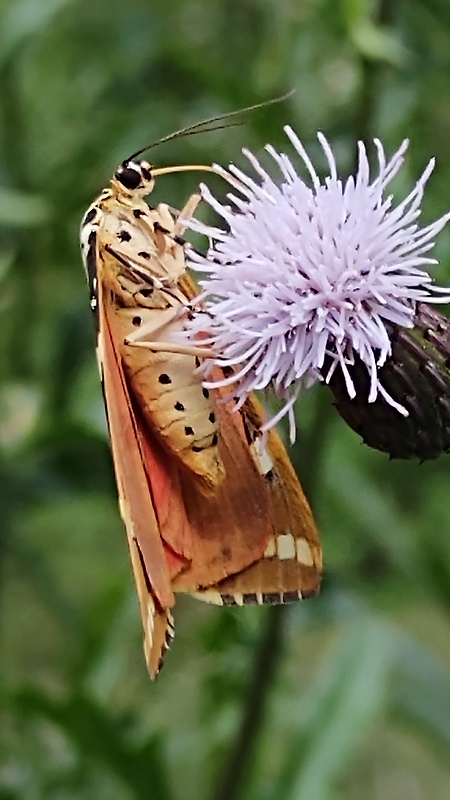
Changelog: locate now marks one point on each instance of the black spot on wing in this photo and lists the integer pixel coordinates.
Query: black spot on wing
(271, 598)
(291, 597)
(228, 600)
(266, 598)
(89, 216)
(91, 268)
(158, 227)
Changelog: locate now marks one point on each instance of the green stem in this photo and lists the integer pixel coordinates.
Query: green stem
(269, 653)
(266, 661)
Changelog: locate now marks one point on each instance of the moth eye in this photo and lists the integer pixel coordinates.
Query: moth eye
(128, 177)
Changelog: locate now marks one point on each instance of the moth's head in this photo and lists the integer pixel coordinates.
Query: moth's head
(135, 177)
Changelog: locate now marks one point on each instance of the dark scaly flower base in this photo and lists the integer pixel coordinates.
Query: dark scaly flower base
(417, 375)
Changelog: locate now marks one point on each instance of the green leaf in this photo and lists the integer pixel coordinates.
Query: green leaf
(23, 210)
(97, 736)
(338, 710)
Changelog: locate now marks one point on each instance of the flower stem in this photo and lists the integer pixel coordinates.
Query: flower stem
(267, 659)
(268, 656)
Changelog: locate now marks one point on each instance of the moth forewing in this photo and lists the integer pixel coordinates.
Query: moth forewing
(135, 502)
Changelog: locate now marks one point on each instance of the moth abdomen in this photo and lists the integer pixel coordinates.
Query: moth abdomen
(184, 419)
(174, 406)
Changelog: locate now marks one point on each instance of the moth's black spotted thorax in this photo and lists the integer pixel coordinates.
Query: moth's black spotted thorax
(89, 229)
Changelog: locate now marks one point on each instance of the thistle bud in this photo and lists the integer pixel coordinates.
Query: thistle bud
(417, 376)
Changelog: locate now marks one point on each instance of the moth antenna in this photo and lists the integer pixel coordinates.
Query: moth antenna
(200, 127)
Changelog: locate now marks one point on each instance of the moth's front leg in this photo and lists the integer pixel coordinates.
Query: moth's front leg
(173, 347)
(186, 212)
(151, 324)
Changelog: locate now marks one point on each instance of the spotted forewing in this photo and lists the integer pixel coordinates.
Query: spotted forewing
(210, 507)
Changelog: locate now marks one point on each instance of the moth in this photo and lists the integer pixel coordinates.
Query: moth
(210, 507)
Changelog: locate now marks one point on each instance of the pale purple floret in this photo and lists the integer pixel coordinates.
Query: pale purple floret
(306, 272)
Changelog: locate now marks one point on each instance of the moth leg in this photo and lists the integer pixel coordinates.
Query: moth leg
(173, 347)
(138, 268)
(160, 320)
(186, 212)
(153, 327)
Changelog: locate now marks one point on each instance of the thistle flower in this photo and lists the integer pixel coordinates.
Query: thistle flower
(310, 277)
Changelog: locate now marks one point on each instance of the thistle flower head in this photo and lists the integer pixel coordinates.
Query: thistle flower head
(310, 275)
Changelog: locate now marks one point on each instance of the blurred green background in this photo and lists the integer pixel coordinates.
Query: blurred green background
(345, 696)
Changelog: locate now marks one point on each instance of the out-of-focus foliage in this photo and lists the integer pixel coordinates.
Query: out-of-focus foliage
(360, 703)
